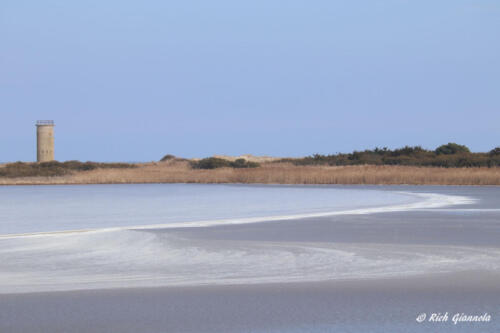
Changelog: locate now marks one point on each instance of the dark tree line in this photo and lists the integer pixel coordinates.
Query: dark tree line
(448, 156)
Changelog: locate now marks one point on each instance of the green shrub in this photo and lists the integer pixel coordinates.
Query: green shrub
(242, 163)
(451, 148)
(54, 168)
(495, 152)
(167, 158)
(215, 162)
(211, 163)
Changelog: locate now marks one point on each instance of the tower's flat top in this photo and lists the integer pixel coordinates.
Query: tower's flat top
(44, 122)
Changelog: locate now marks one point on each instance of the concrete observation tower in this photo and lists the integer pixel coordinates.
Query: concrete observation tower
(44, 140)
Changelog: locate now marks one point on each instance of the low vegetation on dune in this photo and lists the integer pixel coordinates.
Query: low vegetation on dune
(214, 163)
(451, 155)
(168, 157)
(55, 168)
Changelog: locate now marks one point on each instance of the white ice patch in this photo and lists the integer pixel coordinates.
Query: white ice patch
(126, 258)
(426, 201)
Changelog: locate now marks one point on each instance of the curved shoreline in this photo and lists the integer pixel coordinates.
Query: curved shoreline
(430, 201)
(351, 246)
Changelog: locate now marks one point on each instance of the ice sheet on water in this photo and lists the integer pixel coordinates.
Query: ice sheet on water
(123, 249)
(60, 208)
(128, 258)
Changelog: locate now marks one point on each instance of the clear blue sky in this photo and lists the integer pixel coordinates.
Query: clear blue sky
(134, 80)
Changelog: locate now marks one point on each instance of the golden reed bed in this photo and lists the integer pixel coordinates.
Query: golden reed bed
(273, 173)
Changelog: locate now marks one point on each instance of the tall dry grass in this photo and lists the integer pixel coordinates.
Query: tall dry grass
(274, 173)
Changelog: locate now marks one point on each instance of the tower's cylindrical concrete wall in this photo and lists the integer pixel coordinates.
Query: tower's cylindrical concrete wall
(44, 142)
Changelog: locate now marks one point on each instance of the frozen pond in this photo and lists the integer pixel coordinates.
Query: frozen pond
(110, 236)
(29, 209)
